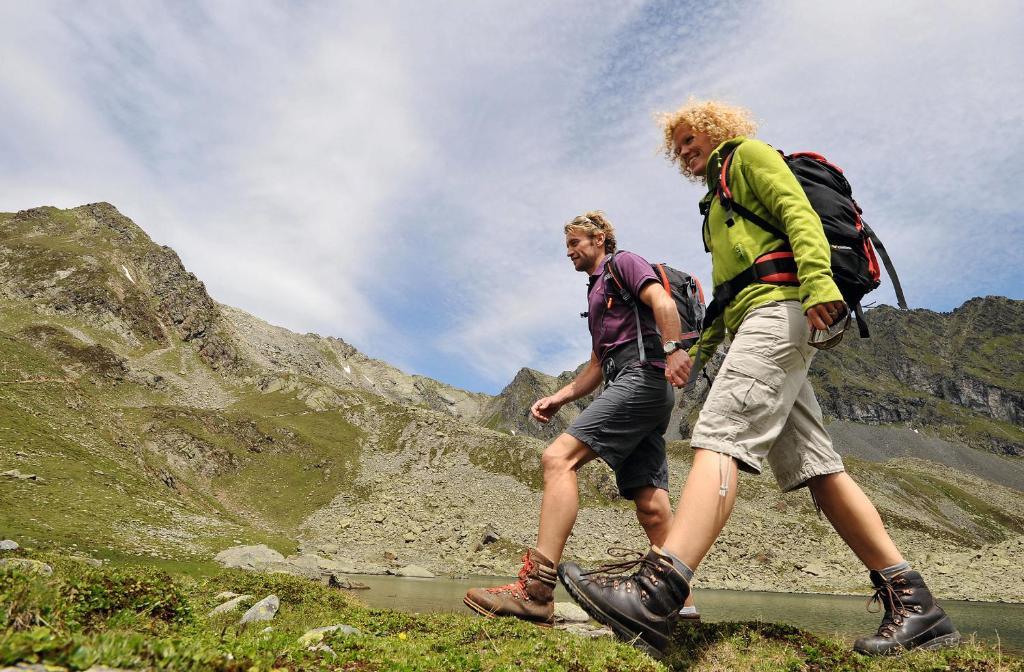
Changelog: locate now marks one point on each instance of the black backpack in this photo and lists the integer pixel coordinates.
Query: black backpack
(684, 289)
(854, 264)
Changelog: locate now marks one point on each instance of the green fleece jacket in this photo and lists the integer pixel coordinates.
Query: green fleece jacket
(762, 182)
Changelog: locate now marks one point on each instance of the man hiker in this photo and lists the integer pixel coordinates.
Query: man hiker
(623, 426)
(761, 405)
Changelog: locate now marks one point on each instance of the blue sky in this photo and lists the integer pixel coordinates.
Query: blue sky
(397, 174)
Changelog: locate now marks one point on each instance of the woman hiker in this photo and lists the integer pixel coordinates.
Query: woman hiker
(761, 405)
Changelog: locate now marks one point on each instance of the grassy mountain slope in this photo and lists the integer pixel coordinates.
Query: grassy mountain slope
(141, 619)
(138, 417)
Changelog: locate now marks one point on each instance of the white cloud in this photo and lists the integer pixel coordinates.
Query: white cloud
(397, 174)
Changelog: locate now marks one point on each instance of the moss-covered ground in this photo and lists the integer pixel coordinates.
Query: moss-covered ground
(141, 617)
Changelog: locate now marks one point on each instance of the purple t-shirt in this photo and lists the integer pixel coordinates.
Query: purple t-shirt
(612, 326)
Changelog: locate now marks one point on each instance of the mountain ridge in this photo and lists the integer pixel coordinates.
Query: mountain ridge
(155, 422)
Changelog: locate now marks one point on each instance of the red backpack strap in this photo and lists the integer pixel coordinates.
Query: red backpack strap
(724, 192)
(660, 270)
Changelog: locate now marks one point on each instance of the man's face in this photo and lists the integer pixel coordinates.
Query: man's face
(692, 148)
(584, 250)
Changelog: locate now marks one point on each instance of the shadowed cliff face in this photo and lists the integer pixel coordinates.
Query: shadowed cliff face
(958, 375)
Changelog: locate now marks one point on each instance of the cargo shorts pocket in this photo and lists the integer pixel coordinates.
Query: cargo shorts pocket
(748, 390)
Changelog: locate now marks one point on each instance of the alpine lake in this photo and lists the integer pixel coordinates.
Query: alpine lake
(842, 615)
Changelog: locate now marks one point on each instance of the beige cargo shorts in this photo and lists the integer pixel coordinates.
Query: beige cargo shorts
(761, 405)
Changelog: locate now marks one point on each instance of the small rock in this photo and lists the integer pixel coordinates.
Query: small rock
(567, 612)
(409, 537)
(230, 605)
(340, 565)
(414, 571)
(226, 595)
(813, 568)
(324, 648)
(317, 634)
(585, 630)
(9, 545)
(31, 566)
(304, 564)
(490, 536)
(248, 557)
(16, 474)
(267, 629)
(264, 610)
(19, 453)
(345, 583)
(389, 556)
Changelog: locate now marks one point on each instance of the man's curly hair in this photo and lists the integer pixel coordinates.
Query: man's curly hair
(719, 120)
(592, 223)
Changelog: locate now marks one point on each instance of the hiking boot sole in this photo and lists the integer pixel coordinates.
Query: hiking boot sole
(487, 613)
(622, 631)
(946, 641)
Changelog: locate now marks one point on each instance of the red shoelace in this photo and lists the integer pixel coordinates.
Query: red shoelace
(517, 588)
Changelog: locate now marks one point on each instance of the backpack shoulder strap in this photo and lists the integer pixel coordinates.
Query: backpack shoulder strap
(731, 206)
(627, 298)
(613, 271)
(901, 300)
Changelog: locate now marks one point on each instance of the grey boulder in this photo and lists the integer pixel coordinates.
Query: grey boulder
(264, 610)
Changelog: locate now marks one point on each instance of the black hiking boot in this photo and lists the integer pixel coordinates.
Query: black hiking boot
(641, 609)
(912, 618)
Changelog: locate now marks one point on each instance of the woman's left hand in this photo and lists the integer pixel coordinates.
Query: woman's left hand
(822, 316)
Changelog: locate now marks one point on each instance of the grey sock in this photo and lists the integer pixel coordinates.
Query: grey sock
(679, 565)
(889, 572)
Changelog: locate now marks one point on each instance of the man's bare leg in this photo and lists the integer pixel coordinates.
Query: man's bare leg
(561, 501)
(654, 511)
(856, 519)
(531, 597)
(702, 510)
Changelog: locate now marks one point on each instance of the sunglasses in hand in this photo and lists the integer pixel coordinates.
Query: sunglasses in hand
(829, 338)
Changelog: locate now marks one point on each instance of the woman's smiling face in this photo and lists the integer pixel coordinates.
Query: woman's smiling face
(692, 149)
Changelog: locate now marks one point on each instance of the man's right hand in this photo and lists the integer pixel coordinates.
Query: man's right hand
(544, 409)
(677, 368)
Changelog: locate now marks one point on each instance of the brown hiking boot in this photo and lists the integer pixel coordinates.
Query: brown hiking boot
(531, 598)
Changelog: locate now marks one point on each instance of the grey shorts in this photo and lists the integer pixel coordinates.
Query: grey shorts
(761, 405)
(625, 427)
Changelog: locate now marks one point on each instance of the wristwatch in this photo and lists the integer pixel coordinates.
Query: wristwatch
(672, 346)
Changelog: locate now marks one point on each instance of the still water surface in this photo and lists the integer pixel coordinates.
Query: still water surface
(823, 614)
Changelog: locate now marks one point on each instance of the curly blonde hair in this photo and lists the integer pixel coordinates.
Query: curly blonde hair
(720, 120)
(592, 223)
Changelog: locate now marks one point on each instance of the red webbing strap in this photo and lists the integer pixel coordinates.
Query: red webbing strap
(664, 278)
(700, 289)
(723, 184)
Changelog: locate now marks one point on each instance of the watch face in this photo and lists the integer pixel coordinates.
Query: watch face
(671, 347)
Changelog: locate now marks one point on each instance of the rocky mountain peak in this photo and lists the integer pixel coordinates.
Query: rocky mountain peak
(95, 263)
